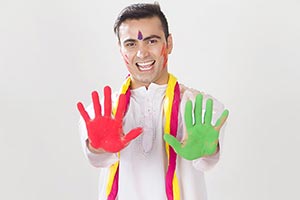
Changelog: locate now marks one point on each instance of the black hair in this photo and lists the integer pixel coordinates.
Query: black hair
(140, 11)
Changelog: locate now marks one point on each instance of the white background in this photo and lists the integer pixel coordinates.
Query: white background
(53, 53)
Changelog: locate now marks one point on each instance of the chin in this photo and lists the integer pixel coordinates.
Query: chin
(143, 81)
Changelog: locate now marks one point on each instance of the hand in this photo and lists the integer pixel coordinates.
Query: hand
(104, 131)
(202, 138)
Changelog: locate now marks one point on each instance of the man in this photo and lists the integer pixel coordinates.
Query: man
(155, 145)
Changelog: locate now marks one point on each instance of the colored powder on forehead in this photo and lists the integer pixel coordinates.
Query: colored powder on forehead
(140, 35)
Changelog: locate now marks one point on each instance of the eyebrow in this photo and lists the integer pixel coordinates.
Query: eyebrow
(129, 40)
(144, 39)
(151, 36)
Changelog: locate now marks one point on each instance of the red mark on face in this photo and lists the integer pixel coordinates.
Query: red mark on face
(164, 53)
(126, 59)
(140, 35)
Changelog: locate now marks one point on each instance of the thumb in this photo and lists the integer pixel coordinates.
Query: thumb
(173, 142)
(132, 134)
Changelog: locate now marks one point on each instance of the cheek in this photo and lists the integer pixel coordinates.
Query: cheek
(125, 58)
(164, 54)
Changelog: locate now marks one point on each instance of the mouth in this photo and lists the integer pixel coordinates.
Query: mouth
(145, 66)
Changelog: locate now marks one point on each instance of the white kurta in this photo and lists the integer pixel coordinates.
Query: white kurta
(143, 163)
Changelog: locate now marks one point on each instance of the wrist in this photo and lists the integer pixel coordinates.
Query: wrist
(92, 149)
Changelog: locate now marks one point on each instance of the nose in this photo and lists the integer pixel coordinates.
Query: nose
(142, 52)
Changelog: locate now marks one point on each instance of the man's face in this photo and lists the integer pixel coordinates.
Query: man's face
(145, 51)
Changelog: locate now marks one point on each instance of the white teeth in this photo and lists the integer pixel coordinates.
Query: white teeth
(145, 68)
(145, 64)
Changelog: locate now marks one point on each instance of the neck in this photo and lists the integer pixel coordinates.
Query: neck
(161, 81)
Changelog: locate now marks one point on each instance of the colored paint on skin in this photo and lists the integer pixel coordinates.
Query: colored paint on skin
(126, 59)
(164, 53)
(200, 131)
(163, 50)
(140, 35)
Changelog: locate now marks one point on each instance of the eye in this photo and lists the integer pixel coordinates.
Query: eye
(130, 44)
(152, 41)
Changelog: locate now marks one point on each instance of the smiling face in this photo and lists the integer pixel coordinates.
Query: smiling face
(145, 51)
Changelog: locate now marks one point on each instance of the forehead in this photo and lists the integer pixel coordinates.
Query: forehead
(148, 26)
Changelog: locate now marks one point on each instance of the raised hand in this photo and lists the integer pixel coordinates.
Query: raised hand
(104, 131)
(202, 139)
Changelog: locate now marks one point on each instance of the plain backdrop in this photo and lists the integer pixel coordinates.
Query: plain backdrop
(53, 53)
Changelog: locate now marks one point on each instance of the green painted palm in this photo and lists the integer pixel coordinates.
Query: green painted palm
(202, 139)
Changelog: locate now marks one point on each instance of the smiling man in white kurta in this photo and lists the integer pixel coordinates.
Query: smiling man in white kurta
(145, 43)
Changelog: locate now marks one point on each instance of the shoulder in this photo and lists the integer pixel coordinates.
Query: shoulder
(187, 93)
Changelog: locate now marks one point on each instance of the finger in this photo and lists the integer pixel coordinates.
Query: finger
(188, 117)
(96, 103)
(173, 142)
(83, 112)
(107, 101)
(121, 107)
(208, 111)
(198, 109)
(222, 120)
(132, 134)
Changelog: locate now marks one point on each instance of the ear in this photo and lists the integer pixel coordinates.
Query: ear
(170, 44)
